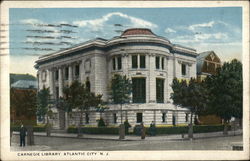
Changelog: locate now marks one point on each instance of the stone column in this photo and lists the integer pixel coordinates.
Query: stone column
(40, 86)
(138, 61)
(125, 64)
(82, 73)
(60, 82)
(152, 81)
(160, 62)
(61, 111)
(51, 82)
(70, 74)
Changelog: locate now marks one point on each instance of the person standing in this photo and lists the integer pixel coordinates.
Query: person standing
(22, 135)
(152, 129)
(143, 131)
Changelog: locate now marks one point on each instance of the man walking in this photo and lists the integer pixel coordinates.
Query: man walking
(22, 135)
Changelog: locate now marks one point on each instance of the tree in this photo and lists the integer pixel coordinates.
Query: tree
(43, 97)
(121, 88)
(43, 100)
(23, 104)
(191, 95)
(77, 96)
(226, 92)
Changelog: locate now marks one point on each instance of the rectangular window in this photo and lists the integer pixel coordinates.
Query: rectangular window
(142, 61)
(86, 118)
(157, 62)
(211, 67)
(113, 63)
(139, 90)
(119, 62)
(134, 61)
(77, 70)
(57, 92)
(159, 90)
(174, 120)
(56, 74)
(186, 117)
(164, 117)
(138, 117)
(162, 63)
(44, 75)
(114, 118)
(66, 73)
(183, 69)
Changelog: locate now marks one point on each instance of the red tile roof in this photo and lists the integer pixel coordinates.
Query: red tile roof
(137, 31)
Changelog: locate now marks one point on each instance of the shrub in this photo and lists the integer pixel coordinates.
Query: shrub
(101, 123)
(95, 130)
(181, 129)
(36, 128)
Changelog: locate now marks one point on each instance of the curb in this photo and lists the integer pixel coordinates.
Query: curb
(137, 139)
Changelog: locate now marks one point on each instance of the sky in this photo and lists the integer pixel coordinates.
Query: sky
(38, 31)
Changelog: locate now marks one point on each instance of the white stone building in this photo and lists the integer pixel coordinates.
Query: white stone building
(150, 61)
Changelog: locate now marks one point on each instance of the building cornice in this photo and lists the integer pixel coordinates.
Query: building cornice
(107, 45)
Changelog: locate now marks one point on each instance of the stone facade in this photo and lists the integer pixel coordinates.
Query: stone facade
(137, 53)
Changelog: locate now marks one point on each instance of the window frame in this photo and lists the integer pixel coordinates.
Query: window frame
(162, 63)
(186, 117)
(139, 90)
(160, 90)
(114, 118)
(44, 75)
(119, 62)
(142, 61)
(164, 114)
(86, 118)
(113, 63)
(77, 70)
(139, 115)
(66, 73)
(157, 62)
(184, 69)
(57, 75)
(134, 61)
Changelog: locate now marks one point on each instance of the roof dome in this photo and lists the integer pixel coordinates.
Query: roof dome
(137, 31)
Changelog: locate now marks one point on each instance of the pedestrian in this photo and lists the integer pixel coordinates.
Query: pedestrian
(152, 129)
(143, 131)
(127, 126)
(22, 135)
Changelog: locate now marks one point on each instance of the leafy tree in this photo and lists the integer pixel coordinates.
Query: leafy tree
(101, 123)
(43, 100)
(121, 88)
(23, 103)
(226, 92)
(77, 96)
(43, 97)
(191, 95)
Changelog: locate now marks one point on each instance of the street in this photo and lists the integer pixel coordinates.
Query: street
(58, 143)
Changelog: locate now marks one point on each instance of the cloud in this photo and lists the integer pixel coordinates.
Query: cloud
(194, 26)
(209, 38)
(217, 36)
(169, 30)
(97, 24)
(31, 21)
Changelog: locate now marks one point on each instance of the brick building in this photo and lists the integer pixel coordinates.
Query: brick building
(150, 61)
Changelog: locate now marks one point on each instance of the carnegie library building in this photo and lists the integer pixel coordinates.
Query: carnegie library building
(150, 61)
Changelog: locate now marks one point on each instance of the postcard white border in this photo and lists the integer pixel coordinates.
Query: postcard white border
(6, 154)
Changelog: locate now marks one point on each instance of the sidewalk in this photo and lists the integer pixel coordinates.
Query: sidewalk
(138, 138)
